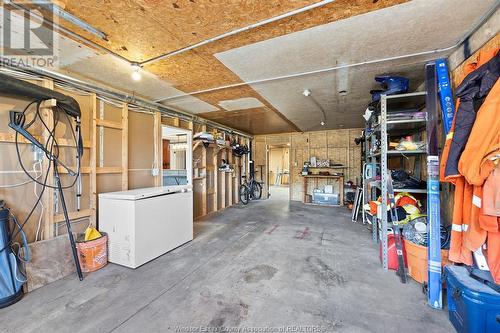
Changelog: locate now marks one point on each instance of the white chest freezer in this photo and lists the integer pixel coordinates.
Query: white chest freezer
(143, 224)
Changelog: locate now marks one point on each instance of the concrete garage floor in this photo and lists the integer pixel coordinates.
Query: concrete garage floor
(270, 264)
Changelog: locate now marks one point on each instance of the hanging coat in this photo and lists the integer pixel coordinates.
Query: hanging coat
(482, 58)
(471, 92)
(479, 166)
(462, 203)
(476, 162)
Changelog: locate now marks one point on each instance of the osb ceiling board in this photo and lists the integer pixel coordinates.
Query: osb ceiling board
(255, 121)
(241, 14)
(140, 29)
(420, 26)
(108, 70)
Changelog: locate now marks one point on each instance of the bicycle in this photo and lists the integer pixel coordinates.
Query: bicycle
(250, 190)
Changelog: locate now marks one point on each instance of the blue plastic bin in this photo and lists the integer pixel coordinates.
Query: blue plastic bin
(473, 307)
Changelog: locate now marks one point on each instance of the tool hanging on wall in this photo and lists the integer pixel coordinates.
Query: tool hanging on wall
(63, 106)
(398, 236)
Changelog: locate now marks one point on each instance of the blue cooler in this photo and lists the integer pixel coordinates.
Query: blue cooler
(473, 306)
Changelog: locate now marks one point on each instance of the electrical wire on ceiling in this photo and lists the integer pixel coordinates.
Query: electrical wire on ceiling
(308, 93)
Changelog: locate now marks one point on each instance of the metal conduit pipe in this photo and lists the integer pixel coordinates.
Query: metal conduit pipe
(69, 32)
(179, 51)
(469, 33)
(126, 98)
(237, 31)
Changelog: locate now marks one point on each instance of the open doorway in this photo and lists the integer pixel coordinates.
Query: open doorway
(279, 172)
(177, 156)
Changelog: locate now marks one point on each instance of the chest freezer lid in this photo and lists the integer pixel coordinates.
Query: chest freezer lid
(143, 193)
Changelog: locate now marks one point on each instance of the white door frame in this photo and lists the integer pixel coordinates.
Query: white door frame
(189, 152)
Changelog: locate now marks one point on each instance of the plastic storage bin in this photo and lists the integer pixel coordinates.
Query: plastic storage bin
(473, 307)
(417, 260)
(325, 198)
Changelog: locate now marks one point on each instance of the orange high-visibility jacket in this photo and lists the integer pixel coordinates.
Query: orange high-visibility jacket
(476, 162)
(463, 239)
(462, 198)
(472, 92)
(482, 58)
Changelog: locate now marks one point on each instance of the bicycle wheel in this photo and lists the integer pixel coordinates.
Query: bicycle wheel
(257, 190)
(244, 194)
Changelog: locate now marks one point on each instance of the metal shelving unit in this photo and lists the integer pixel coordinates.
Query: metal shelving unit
(382, 128)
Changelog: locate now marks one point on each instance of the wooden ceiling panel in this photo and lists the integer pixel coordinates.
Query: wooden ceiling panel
(142, 29)
(255, 121)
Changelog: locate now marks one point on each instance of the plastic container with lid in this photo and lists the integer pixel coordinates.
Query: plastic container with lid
(473, 307)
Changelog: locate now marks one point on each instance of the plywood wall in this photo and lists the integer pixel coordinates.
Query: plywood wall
(279, 160)
(336, 145)
(122, 146)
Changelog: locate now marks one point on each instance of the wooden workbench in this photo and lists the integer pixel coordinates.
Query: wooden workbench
(340, 179)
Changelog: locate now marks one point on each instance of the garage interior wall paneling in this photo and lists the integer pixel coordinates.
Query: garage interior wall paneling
(141, 150)
(128, 156)
(336, 145)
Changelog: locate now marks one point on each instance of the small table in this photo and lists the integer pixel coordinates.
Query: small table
(317, 178)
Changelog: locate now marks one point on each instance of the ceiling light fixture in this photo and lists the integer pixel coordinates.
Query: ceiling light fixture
(322, 123)
(306, 92)
(136, 75)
